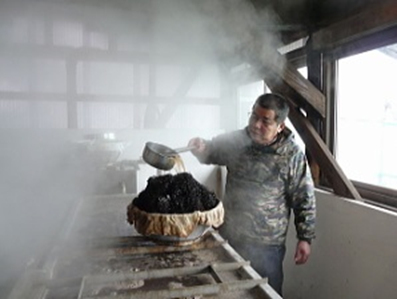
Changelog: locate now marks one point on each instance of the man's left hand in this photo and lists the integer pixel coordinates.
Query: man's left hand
(302, 252)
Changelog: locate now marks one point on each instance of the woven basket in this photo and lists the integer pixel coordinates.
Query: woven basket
(178, 225)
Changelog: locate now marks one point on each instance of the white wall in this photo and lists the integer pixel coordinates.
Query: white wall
(353, 256)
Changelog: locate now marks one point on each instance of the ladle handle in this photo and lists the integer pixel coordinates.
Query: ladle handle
(184, 149)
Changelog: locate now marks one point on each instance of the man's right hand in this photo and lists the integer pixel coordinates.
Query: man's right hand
(302, 252)
(199, 145)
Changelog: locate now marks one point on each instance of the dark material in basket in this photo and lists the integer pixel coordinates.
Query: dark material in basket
(175, 194)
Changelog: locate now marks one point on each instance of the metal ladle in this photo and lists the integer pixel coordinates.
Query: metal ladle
(161, 156)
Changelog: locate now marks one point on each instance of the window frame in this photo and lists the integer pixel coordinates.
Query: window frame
(373, 194)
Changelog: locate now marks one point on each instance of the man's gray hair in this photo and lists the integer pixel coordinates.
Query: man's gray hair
(274, 102)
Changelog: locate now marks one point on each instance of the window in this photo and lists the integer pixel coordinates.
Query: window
(247, 95)
(367, 117)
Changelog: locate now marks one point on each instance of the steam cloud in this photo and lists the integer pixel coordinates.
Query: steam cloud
(39, 183)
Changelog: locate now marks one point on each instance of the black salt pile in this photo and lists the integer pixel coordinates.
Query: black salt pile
(175, 194)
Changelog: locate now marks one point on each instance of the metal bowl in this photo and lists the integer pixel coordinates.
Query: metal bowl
(159, 156)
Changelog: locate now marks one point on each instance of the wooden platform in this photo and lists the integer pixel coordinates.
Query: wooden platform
(99, 255)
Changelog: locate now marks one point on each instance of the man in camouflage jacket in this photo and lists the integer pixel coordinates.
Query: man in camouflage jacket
(267, 176)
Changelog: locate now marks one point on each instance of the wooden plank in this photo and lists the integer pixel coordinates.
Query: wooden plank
(206, 242)
(220, 286)
(217, 277)
(56, 52)
(160, 273)
(315, 75)
(315, 145)
(279, 69)
(71, 89)
(210, 289)
(268, 291)
(340, 183)
(177, 98)
(330, 91)
(108, 98)
(46, 282)
(275, 67)
(374, 18)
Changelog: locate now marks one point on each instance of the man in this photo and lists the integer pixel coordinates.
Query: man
(267, 176)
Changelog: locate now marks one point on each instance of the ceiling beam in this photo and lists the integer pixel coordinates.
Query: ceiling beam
(104, 98)
(177, 98)
(274, 66)
(30, 51)
(374, 18)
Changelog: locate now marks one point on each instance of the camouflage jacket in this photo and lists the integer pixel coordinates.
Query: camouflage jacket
(263, 184)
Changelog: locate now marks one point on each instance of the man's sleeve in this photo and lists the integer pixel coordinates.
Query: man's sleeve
(216, 151)
(302, 197)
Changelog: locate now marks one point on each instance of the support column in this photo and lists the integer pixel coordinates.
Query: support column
(71, 91)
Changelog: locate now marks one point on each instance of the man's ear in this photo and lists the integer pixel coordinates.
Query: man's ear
(281, 127)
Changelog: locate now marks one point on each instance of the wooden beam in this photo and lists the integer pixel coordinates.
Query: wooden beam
(315, 75)
(374, 18)
(274, 65)
(139, 111)
(290, 76)
(107, 98)
(330, 91)
(71, 89)
(176, 98)
(306, 92)
(315, 145)
(377, 195)
(228, 90)
(96, 55)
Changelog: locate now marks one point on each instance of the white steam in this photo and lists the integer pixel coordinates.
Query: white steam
(40, 180)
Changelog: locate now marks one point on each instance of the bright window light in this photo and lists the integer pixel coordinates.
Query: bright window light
(367, 117)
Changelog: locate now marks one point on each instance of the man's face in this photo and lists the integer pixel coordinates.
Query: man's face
(262, 126)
